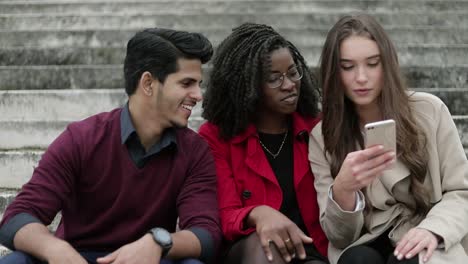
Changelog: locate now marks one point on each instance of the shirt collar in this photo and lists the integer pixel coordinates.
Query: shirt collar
(127, 129)
(126, 125)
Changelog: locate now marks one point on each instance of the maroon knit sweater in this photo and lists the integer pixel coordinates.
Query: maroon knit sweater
(105, 200)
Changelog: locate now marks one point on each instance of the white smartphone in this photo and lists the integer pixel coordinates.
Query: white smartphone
(381, 133)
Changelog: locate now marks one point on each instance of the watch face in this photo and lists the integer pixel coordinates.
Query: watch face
(163, 236)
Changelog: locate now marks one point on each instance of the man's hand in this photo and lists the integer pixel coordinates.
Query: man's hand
(415, 241)
(142, 251)
(274, 227)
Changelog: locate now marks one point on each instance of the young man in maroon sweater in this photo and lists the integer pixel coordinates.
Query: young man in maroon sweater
(122, 178)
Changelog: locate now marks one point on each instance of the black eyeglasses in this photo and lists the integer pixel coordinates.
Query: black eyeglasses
(275, 80)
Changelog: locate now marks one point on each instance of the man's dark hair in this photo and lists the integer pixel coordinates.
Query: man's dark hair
(156, 50)
(240, 67)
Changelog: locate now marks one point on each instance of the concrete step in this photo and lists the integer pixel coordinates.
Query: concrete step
(138, 7)
(33, 121)
(417, 54)
(48, 105)
(299, 35)
(37, 135)
(455, 98)
(45, 105)
(462, 124)
(61, 77)
(435, 76)
(17, 165)
(6, 197)
(216, 20)
(110, 76)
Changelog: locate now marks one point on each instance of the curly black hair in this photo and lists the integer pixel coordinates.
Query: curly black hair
(240, 65)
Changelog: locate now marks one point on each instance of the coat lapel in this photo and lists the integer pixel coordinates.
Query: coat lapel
(257, 161)
(381, 190)
(301, 168)
(301, 129)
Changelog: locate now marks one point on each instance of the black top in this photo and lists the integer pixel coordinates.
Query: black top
(283, 168)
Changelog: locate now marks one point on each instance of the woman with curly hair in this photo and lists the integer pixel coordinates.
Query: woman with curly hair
(261, 104)
(408, 206)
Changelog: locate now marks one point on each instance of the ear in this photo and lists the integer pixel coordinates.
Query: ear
(146, 83)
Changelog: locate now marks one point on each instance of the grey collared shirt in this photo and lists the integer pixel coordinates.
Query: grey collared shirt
(136, 150)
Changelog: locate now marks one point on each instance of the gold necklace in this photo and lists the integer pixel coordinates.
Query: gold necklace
(280, 148)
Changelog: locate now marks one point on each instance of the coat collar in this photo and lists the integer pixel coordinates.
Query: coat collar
(256, 159)
(301, 128)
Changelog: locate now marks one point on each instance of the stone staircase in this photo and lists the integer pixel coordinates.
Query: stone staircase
(61, 61)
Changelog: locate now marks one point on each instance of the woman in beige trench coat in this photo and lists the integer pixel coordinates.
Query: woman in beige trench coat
(377, 206)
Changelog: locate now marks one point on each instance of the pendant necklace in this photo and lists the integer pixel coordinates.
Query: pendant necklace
(274, 155)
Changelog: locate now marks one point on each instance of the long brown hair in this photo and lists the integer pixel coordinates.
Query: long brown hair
(340, 126)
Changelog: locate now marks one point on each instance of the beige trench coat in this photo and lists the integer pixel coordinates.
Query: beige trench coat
(447, 182)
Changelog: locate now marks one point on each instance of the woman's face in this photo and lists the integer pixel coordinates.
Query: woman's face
(361, 70)
(281, 88)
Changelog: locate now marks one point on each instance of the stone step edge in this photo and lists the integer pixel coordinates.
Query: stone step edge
(192, 120)
(313, 45)
(278, 27)
(209, 1)
(40, 2)
(205, 66)
(68, 91)
(374, 10)
(122, 91)
(236, 13)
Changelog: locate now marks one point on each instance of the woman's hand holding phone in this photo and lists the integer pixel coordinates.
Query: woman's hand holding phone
(358, 170)
(362, 167)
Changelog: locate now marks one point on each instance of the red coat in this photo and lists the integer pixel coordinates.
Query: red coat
(242, 167)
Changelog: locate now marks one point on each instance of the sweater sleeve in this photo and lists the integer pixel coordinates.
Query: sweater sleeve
(197, 203)
(47, 191)
(232, 210)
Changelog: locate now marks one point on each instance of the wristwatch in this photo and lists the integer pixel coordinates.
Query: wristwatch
(163, 238)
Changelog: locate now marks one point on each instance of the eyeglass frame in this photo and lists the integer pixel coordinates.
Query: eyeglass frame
(285, 75)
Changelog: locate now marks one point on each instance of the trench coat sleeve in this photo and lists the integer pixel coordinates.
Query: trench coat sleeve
(449, 217)
(232, 211)
(341, 227)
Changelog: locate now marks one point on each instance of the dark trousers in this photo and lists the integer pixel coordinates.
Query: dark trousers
(379, 251)
(18, 257)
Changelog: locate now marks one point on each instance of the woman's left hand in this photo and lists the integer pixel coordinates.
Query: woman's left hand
(415, 241)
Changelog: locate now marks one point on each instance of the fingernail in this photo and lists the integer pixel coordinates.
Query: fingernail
(395, 253)
(424, 260)
(408, 256)
(270, 258)
(288, 259)
(400, 257)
